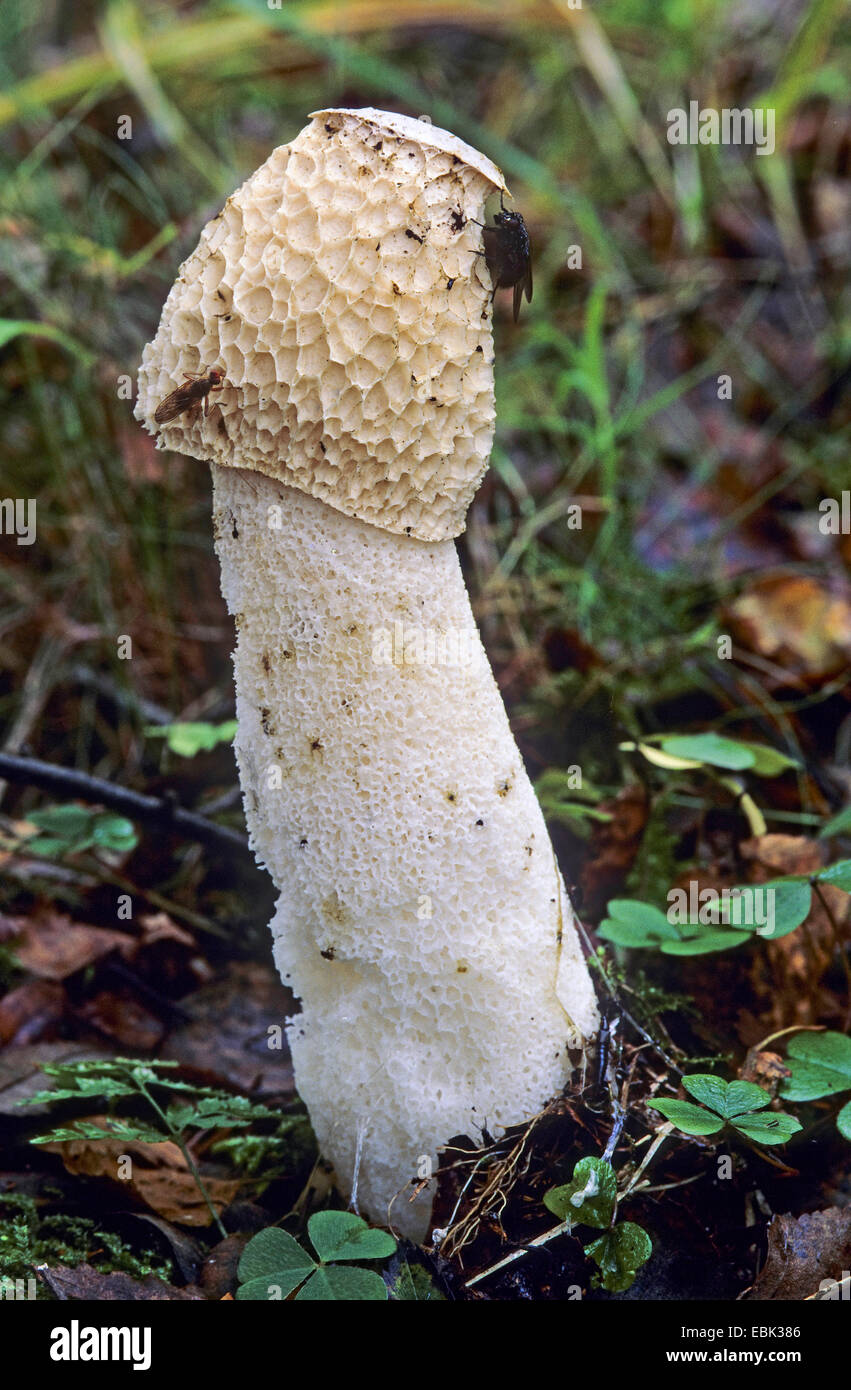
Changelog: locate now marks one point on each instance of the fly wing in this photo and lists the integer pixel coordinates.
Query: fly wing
(491, 239)
(172, 406)
(524, 283)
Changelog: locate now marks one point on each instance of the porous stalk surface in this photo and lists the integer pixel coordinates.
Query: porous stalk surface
(422, 920)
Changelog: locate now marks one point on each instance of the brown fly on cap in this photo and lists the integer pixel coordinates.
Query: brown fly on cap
(194, 390)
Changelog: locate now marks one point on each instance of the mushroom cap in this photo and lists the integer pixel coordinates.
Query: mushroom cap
(422, 132)
(342, 294)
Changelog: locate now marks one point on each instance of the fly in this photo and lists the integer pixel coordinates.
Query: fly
(509, 255)
(193, 390)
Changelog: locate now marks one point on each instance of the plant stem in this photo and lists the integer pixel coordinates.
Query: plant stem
(177, 1137)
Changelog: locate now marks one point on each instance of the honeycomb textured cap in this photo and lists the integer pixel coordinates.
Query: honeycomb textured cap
(341, 293)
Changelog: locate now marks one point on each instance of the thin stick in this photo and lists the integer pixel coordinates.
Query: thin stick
(642, 1032)
(37, 686)
(155, 811)
(563, 1228)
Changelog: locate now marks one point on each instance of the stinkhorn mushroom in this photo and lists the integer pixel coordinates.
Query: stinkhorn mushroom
(343, 297)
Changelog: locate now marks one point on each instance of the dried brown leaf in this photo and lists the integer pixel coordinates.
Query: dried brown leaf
(802, 1252)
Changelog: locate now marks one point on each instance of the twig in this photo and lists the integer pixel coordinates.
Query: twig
(642, 1032)
(99, 873)
(37, 686)
(158, 812)
(563, 1228)
(661, 1135)
(642, 1191)
(196, 920)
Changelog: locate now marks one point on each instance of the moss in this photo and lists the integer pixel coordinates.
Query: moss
(29, 1236)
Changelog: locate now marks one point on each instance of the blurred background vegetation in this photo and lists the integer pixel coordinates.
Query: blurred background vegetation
(682, 374)
(700, 513)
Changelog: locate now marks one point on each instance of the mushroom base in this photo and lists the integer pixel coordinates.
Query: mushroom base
(422, 919)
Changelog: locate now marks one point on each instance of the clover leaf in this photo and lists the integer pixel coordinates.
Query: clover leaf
(820, 1064)
(273, 1263)
(71, 829)
(725, 921)
(729, 1103)
(620, 1254)
(589, 1198)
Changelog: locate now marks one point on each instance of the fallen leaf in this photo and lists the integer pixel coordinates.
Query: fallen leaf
(123, 1018)
(613, 848)
(21, 1074)
(765, 1069)
(218, 1276)
(31, 1012)
(802, 1252)
(187, 1251)
(86, 1283)
(796, 623)
(238, 1010)
(158, 926)
(776, 856)
(789, 974)
(53, 947)
(160, 1175)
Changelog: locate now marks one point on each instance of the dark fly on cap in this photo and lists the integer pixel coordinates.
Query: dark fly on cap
(509, 255)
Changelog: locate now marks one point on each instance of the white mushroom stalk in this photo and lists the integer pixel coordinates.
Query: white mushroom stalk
(422, 920)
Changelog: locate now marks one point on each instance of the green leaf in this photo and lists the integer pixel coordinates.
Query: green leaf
(589, 1198)
(772, 1128)
(340, 1235)
(88, 1087)
(622, 934)
(273, 1288)
(573, 806)
(67, 830)
(687, 1117)
(14, 328)
(743, 1097)
(218, 1112)
(787, 908)
(68, 822)
(792, 902)
(332, 1284)
(115, 833)
(413, 1284)
(125, 1130)
(843, 1120)
(711, 749)
(71, 829)
(726, 1098)
(706, 943)
(768, 762)
(838, 874)
(272, 1265)
(657, 758)
(636, 924)
(709, 1090)
(188, 739)
(641, 915)
(820, 1064)
(837, 825)
(48, 847)
(620, 1253)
